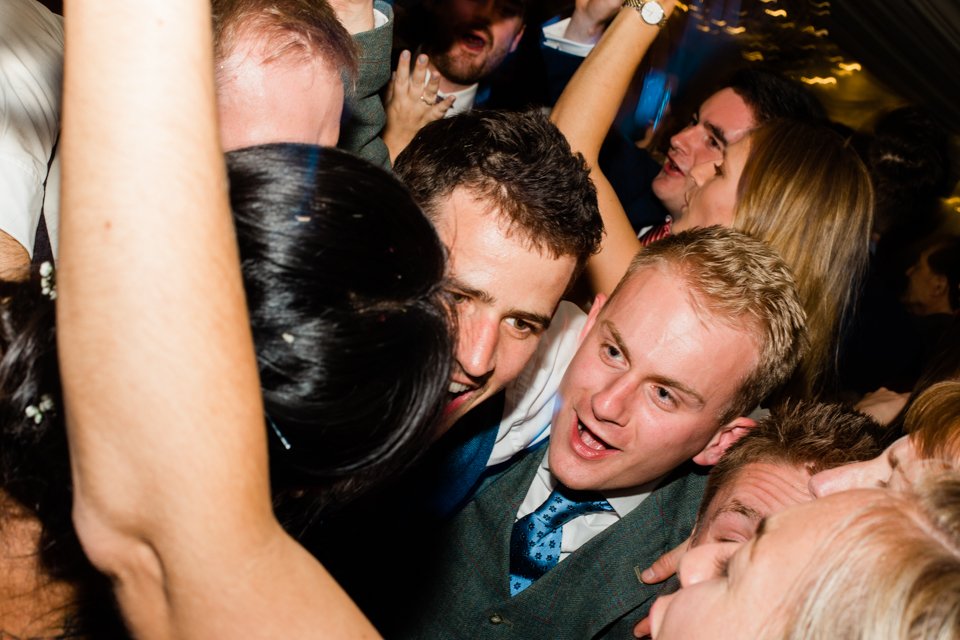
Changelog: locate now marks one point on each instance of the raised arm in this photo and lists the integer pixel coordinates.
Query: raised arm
(584, 113)
(164, 413)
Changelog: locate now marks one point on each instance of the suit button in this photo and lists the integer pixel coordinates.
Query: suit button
(496, 619)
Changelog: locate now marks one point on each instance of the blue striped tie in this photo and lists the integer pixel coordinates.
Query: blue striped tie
(535, 542)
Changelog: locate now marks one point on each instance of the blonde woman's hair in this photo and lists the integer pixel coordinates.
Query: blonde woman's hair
(890, 569)
(806, 192)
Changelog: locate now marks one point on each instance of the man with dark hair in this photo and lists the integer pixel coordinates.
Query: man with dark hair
(519, 216)
(548, 548)
(752, 98)
(466, 40)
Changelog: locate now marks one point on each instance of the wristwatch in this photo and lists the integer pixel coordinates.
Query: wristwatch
(650, 10)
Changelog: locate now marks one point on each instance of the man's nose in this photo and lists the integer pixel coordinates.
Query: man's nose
(477, 343)
(612, 403)
(682, 140)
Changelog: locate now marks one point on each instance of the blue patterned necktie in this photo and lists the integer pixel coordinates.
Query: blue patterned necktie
(535, 542)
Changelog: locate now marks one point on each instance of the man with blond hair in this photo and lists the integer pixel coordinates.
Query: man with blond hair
(703, 326)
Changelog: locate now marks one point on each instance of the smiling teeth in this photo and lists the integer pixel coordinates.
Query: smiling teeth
(457, 387)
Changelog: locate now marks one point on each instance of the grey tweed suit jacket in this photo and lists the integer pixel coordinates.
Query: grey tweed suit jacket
(593, 593)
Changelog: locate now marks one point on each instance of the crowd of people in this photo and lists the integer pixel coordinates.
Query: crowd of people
(304, 333)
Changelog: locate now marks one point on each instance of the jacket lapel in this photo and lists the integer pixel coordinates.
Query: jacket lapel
(599, 584)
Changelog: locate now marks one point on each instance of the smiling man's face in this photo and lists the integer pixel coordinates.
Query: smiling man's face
(505, 292)
(647, 387)
(723, 119)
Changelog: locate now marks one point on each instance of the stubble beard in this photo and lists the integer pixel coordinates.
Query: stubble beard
(458, 68)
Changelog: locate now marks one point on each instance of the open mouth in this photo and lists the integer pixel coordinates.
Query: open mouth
(457, 394)
(672, 168)
(588, 444)
(473, 41)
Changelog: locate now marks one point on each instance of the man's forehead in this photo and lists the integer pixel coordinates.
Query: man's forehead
(464, 210)
(728, 114)
(765, 485)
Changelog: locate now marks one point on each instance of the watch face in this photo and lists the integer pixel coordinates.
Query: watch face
(652, 13)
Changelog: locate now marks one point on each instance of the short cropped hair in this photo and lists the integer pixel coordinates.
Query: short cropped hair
(744, 283)
(811, 435)
(769, 95)
(344, 277)
(308, 28)
(521, 164)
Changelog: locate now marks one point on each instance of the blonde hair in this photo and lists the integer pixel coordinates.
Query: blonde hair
(890, 569)
(743, 282)
(805, 191)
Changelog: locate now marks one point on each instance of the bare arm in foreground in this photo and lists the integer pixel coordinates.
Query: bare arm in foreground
(163, 402)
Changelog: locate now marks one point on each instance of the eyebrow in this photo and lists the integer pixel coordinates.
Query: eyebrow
(479, 294)
(659, 379)
(717, 132)
(617, 338)
(486, 298)
(735, 506)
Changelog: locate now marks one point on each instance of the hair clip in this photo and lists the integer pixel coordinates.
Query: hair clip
(47, 286)
(36, 411)
(276, 430)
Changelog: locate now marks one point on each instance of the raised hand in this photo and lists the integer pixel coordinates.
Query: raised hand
(411, 102)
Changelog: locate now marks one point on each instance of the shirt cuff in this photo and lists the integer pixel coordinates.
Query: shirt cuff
(553, 37)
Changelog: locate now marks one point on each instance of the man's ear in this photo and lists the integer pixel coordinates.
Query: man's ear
(598, 302)
(722, 439)
(516, 39)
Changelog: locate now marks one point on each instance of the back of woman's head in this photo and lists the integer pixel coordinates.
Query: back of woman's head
(35, 482)
(34, 468)
(806, 192)
(343, 275)
(890, 569)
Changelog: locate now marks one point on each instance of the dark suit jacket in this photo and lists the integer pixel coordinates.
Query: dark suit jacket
(462, 589)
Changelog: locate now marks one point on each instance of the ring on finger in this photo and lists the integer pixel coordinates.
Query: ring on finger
(427, 101)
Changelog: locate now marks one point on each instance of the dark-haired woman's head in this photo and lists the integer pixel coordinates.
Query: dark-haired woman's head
(36, 529)
(343, 275)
